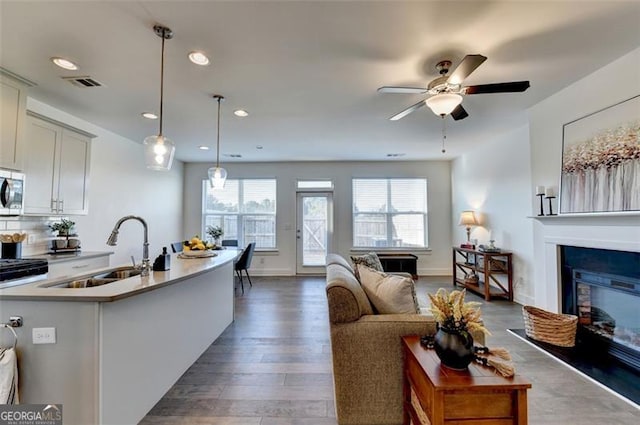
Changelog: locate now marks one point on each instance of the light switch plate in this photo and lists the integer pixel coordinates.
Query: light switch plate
(44, 335)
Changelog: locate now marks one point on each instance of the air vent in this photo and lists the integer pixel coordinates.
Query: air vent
(83, 82)
(233, 155)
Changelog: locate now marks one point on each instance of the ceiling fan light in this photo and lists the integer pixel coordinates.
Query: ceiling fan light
(217, 177)
(158, 153)
(444, 103)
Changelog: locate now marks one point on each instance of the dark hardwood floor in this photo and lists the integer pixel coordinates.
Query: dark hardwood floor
(272, 366)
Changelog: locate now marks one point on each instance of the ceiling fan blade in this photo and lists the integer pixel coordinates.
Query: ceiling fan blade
(512, 87)
(407, 111)
(465, 68)
(391, 89)
(459, 113)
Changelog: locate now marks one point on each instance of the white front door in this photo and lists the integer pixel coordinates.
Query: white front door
(314, 231)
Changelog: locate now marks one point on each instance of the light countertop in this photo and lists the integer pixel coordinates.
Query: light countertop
(181, 270)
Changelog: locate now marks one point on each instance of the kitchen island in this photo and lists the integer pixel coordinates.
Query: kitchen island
(120, 346)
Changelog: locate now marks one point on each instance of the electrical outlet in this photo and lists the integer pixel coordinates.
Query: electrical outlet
(262, 260)
(31, 239)
(44, 335)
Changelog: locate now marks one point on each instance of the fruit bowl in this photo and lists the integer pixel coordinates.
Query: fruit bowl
(196, 247)
(199, 253)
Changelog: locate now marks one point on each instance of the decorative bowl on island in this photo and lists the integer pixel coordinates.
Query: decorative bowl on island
(196, 247)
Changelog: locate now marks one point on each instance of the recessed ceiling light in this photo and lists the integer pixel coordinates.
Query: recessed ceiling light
(259, 147)
(149, 115)
(203, 148)
(65, 63)
(199, 58)
(241, 113)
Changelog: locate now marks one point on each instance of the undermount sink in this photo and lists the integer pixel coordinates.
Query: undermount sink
(99, 279)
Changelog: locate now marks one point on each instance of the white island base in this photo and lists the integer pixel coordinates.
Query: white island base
(113, 360)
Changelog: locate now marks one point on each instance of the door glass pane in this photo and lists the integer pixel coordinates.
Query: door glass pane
(314, 230)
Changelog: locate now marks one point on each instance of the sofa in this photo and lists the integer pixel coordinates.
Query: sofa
(366, 350)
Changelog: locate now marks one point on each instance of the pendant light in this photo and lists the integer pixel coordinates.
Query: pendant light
(217, 175)
(159, 150)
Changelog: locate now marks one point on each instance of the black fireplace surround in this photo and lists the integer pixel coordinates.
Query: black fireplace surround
(602, 288)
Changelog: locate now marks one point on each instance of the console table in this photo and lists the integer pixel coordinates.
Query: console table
(488, 265)
(437, 395)
(400, 262)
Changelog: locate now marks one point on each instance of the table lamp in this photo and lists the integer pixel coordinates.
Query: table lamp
(468, 219)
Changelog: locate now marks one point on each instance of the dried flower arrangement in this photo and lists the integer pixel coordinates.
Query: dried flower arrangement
(455, 315)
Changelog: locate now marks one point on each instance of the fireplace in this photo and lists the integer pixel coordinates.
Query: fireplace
(602, 288)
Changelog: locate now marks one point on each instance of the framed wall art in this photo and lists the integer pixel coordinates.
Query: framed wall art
(601, 161)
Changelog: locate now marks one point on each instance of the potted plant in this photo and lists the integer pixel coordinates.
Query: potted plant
(216, 233)
(64, 229)
(456, 320)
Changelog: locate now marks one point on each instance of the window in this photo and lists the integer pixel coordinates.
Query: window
(245, 209)
(390, 213)
(315, 185)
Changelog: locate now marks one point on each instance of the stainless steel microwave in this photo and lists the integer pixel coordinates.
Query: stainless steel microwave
(11, 192)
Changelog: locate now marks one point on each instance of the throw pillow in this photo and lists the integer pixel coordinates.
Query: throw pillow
(389, 294)
(370, 260)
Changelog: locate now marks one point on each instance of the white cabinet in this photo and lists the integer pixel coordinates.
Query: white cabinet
(13, 101)
(56, 168)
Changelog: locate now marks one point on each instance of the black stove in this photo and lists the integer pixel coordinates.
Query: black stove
(12, 271)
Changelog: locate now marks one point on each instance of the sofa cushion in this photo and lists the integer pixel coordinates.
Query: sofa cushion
(389, 294)
(369, 259)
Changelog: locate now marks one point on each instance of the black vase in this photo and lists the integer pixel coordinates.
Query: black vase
(454, 348)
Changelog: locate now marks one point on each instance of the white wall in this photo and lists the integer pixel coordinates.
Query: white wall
(493, 180)
(283, 262)
(121, 185)
(611, 84)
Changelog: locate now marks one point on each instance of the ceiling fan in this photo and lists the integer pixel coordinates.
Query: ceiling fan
(447, 90)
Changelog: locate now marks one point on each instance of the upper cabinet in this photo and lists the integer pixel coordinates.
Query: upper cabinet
(13, 104)
(57, 159)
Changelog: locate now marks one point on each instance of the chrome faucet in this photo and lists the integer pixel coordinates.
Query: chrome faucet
(113, 241)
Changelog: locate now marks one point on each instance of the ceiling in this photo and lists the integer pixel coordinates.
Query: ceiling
(307, 71)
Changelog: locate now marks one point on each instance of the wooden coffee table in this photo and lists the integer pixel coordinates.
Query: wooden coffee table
(437, 395)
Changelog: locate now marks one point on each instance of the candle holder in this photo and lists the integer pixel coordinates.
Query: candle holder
(541, 195)
(550, 205)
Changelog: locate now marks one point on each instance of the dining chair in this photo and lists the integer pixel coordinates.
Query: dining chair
(229, 242)
(243, 263)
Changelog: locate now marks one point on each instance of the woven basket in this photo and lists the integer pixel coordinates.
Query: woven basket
(552, 328)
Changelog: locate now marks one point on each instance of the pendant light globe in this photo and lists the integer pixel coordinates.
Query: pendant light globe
(217, 177)
(158, 149)
(158, 152)
(217, 174)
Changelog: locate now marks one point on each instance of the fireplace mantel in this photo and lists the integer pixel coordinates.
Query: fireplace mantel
(619, 232)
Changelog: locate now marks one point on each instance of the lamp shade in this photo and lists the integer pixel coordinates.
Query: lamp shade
(467, 218)
(444, 103)
(217, 177)
(158, 152)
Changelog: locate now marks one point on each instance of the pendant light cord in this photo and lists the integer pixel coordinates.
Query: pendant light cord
(162, 81)
(218, 137)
